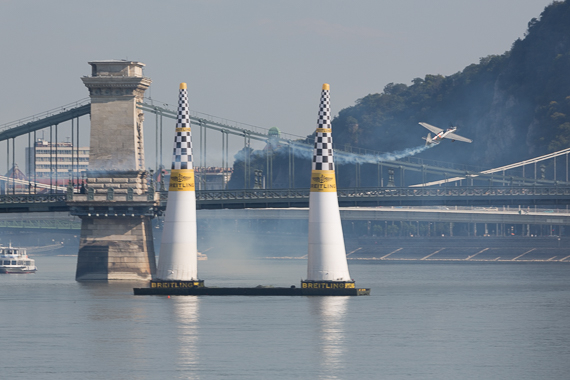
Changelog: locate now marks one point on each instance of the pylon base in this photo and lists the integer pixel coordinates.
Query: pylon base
(180, 288)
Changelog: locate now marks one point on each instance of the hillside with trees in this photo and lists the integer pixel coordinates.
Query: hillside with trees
(514, 106)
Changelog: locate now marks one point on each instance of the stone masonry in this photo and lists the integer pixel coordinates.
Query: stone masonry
(116, 234)
(117, 248)
(116, 141)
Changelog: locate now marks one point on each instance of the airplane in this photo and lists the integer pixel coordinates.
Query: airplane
(440, 134)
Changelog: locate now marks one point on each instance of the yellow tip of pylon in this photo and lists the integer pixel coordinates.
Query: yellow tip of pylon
(183, 86)
(326, 86)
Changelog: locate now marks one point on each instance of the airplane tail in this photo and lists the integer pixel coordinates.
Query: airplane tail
(428, 139)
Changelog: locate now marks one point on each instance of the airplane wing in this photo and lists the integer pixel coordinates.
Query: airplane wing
(431, 128)
(453, 136)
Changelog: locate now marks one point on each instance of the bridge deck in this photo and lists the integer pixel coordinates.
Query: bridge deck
(372, 197)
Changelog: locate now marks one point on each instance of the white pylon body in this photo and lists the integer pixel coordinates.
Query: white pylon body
(327, 254)
(178, 260)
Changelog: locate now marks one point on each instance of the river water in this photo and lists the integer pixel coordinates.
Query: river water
(436, 320)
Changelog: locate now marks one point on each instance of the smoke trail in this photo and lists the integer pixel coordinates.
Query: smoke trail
(351, 158)
(305, 151)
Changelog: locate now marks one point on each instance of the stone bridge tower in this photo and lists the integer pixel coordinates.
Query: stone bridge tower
(116, 234)
(116, 143)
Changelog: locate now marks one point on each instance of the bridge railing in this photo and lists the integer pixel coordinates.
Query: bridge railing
(212, 195)
(33, 198)
(453, 191)
(205, 195)
(45, 114)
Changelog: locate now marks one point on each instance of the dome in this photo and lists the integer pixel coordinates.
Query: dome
(274, 132)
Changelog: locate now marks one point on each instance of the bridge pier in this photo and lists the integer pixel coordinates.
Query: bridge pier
(116, 241)
(116, 235)
(117, 248)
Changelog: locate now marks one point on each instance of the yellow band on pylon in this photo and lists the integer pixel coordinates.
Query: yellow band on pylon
(183, 86)
(183, 130)
(324, 130)
(182, 180)
(323, 181)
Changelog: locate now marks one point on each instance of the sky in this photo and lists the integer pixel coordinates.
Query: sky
(256, 62)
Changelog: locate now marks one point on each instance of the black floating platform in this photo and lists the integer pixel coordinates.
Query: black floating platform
(197, 288)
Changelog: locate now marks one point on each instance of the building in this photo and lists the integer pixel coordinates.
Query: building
(50, 163)
(14, 182)
(212, 178)
(209, 178)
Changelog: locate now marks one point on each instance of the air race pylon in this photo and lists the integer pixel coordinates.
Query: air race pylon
(178, 260)
(327, 273)
(327, 266)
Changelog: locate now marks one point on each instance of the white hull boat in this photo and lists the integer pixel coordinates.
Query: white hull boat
(16, 260)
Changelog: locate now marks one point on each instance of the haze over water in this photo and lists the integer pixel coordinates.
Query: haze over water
(432, 320)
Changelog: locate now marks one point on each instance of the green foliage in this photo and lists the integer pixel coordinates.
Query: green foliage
(514, 106)
(520, 98)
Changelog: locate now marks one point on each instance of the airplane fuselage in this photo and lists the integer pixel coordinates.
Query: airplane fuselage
(441, 135)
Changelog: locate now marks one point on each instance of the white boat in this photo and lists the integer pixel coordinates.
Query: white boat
(15, 260)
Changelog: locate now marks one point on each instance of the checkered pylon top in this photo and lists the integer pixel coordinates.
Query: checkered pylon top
(182, 155)
(323, 151)
(183, 118)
